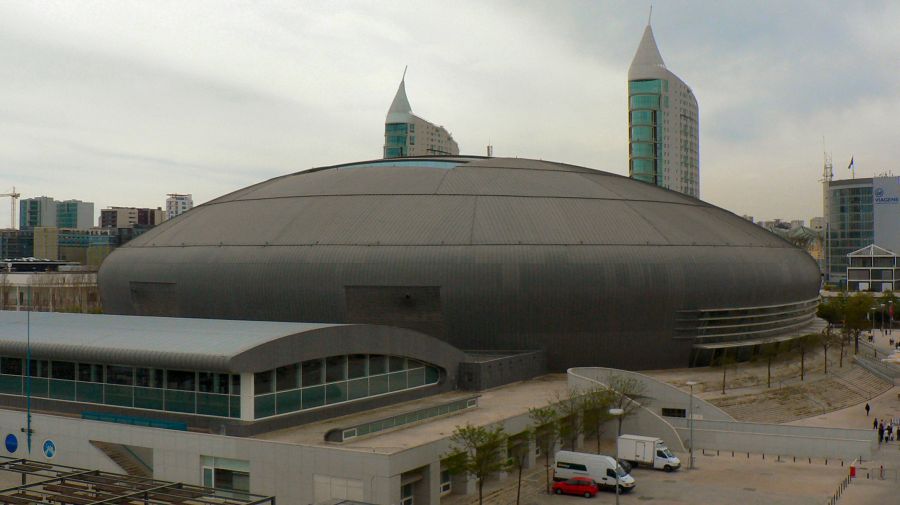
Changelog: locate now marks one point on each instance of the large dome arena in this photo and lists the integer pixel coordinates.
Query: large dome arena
(484, 253)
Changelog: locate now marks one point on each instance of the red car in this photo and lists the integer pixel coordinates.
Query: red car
(583, 486)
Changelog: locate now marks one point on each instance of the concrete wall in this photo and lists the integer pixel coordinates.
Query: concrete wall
(715, 429)
(480, 374)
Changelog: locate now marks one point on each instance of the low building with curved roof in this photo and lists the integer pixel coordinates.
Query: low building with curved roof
(483, 253)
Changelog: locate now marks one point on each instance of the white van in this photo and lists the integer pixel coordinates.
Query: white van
(649, 451)
(603, 469)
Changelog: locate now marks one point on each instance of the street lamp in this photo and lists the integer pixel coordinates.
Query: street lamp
(617, 413)
(691, 384)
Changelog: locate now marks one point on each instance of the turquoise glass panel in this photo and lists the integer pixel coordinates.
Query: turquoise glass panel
(358, 388)
(396, 128)
(416, 377)
(643, 167)
(62, 390)
(397, 380)
(639, 133)
(263, 406)
(39, 387)
(396, 140)
(651, 86)
(235, 406)
(211, 404)
(89, 392)
(180, 401)
(642, 117)
(378, 385)
(148, 398)
(643, 150)
(336, 392)
(644, 102)
(11, 384)
(431, 375)
(287, 401)
(313, 397)
(118, 395)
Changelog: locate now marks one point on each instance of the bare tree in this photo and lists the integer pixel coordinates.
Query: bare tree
(545, 426)
(624, 390)
(595, 406)
(569, 407)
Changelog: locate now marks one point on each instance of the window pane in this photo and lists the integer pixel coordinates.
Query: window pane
(356, 366)
(643, 149)
(416, 377)
(179, 401)
(378, 385)
(431, 375)
(11, 366)
(312, 372)
(645, 101)
(397, 363)
(90, 373)
(212, 404)
(398, 381)
(90, 392)
(336, 368)
(235, 384)
(63, 370)
(179, 379)
(377, 364)
(118, 395)
(235, 402)
(336, 392)
(651, 86)
(262, 383)
(11, 384)
(264, 406)
(313, 397)
(287, 377)
(62, 389)
(39, 368)
(645, 133)
(121, 375)
(288, 401)
(148, 377)
(40, 387)
(145, 398)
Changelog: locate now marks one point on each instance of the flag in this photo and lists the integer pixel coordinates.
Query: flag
(851, 163)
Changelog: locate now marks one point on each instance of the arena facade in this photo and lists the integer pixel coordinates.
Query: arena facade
(592, 268)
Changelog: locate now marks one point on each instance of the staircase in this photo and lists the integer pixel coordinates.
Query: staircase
(835, 392)
(127, 460)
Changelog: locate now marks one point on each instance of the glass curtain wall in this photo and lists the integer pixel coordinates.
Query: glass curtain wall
(851, 227)
(645, 129)
(185, 391)
(319, 382)
(395, 140)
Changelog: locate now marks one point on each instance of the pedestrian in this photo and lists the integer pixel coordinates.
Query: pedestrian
(867, 409)
(875, 423)
(880, 434)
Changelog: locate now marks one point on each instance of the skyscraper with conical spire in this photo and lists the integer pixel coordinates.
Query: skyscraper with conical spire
(663, 123)
(406, 134)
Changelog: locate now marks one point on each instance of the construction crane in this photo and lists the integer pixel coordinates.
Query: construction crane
(13, 196)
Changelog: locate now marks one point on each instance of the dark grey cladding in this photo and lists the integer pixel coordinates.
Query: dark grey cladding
(486, 253)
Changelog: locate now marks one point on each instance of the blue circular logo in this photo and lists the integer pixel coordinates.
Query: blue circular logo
(49, 448)
(12, 443)
(879, 192)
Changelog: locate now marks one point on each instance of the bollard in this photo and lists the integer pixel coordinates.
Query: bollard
(795, 459)
(779, 458)
(732, 454)
(842, 463)
(764, 456)
(717, 452)
(748, 455)
(810, 461)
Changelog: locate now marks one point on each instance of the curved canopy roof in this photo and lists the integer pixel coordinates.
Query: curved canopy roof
(205, 344)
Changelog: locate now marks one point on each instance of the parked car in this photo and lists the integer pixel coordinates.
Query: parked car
(584, 486)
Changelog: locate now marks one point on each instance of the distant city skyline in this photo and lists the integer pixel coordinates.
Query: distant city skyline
(121, 103)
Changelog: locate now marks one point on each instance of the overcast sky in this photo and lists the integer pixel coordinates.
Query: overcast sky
(122, 102)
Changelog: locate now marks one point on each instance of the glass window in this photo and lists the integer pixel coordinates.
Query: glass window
(642, 117)
(211, 382)
(288, 401)
(212, 404)
(62, 389)
(416, 377)
(118, 395)
(262, 383)
(312, 372)
(378, 384)
(39, 368)
(264, 406)
(358, 388)
(11, 366)
(645, 133)
(431, 375)
(649, 86)
(63, 370)
(643, 149)
(335, 368)
(179, 379)
(122, 375)
(313, 397)
(147, 398)
(397, 381)
(89, 392)
(377, 364)
(397, 363)
(645, 101)
(90, 373)
(336, 392)
(180, 401)
(356, 366)
(287, 377)
(236, 384)
(148, 377)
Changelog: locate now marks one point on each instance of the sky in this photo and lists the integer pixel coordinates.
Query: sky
(121, 102)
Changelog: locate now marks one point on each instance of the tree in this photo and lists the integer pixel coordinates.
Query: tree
(856, 309)
(569, 408)
(724, 360)
(801, 346)
(518, 455)
(545, 425)
(826, 340)
(595, 405)
(477, 451)
(769, 352)
(623, 391)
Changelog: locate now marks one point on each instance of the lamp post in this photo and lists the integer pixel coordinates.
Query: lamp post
(691, 384)
(617, 413)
